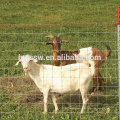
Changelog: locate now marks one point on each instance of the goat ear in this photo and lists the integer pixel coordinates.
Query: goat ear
(50, 36)
(17, 63)
(35, 60)
(18, 60)
(65, 41)
(50, 42)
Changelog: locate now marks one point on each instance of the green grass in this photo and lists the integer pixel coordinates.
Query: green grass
(24, 101)
(50, 11)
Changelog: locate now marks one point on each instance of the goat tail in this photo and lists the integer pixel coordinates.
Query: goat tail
(108, 52)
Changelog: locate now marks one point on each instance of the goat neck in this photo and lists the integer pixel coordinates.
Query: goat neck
(34, 71)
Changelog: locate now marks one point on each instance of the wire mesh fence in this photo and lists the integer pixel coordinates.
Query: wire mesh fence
(20, 97)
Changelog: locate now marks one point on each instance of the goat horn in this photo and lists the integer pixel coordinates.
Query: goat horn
(50, 36)
(59, 35)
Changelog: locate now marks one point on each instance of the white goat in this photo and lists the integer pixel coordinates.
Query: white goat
(54, 79)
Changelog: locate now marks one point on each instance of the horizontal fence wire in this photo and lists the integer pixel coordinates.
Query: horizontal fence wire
(19, 94)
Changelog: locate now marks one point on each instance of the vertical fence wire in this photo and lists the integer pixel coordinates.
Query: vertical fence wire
(30, 39)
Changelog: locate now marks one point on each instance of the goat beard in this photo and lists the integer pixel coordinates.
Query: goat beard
(26, 73)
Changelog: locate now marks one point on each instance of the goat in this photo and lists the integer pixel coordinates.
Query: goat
(90, 51)
(62, 79)
(56, 47)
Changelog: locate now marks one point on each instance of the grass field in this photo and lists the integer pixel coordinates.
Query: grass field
(23, 27)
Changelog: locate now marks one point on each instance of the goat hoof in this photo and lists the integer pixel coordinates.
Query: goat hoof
(81, 113)
(92, 93)
(100, 93)
(55, 111)
(44, 112)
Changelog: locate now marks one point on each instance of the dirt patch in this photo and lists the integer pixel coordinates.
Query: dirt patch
(22, 90)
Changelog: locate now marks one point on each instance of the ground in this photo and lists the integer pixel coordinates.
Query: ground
(23, 27)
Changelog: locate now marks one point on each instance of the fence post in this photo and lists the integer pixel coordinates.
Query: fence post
(118, 30)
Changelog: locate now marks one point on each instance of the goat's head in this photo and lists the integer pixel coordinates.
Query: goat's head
(56, 42)
(25, 60)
